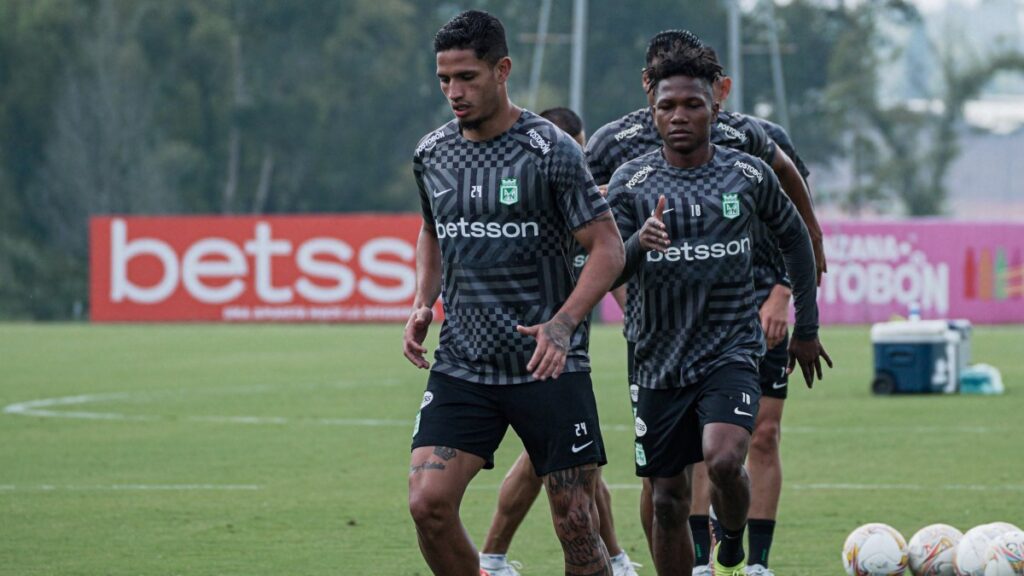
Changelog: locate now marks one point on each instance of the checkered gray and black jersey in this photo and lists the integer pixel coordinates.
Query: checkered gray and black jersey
(635, 134)
(503, 212)
(697, 306)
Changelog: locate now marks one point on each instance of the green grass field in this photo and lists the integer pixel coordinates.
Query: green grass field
(251, 450)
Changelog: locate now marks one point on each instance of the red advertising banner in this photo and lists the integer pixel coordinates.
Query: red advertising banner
(344, 268)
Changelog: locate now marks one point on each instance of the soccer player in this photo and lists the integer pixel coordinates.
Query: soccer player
(635, 134)
(690, 211)
(521, 485)
(503, 194)
(764, 462)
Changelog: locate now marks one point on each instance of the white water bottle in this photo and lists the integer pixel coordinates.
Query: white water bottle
(914, 311)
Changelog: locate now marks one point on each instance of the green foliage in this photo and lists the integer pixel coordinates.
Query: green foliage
(329, 492)
(246, 106)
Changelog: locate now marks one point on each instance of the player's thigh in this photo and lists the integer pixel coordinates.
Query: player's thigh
(772, 371)
(728, 408)
(667, 432)
(557, 421)
(729, 394)
(438, 476)
(460, 415)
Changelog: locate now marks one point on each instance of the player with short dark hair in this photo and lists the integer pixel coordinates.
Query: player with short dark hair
(635, 134)
(689, 211)
(504, 193)
(521, 485)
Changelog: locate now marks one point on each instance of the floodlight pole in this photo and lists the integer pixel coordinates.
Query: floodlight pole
(778, 82)
(579, 41)
(538, 52)
(735, 56)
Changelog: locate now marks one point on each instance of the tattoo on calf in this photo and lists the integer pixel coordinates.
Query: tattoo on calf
(570, 479)
(445, 453)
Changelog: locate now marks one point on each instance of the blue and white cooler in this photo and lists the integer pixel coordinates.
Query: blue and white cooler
(918, 357)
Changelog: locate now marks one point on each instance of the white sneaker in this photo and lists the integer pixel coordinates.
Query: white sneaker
(758, 570)
(704, 570)
(506, 568)
(623, 566)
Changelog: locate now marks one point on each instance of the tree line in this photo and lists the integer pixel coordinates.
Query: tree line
(268, 106)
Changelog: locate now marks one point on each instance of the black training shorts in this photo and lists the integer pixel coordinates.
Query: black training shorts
(773, 378)
(670, 422)
(556, 419)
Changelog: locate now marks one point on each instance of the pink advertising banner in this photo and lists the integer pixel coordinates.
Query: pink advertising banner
(950, 269)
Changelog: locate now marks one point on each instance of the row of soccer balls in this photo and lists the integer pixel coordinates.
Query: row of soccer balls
(995, 549)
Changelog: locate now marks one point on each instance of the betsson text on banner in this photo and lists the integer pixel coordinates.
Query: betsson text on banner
(295, 268)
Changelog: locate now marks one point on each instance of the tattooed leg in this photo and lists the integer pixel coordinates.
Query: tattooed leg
(438, 477)
(571, 494)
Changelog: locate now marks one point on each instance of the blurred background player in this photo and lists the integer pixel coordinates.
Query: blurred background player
(635, 134)
(697, 355)
(500, 362)
(521, 485)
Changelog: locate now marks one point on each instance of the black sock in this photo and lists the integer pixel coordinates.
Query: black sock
(761, 533)
(730, 549)
(701, 540)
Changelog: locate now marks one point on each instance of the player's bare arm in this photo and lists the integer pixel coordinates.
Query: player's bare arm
(428, 288)
(794, 186)
(600, 238)
(775, 314)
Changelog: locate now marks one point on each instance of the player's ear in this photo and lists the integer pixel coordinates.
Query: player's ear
(723, 85)
(502, 69)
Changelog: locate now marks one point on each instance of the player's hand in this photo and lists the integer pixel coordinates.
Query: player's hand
(415, 334)
(809, 354)
(775, 315)
(653, 235)
(552, 337)
(818, 245)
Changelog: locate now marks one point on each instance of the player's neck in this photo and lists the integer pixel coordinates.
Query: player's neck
(502, 120)
(697, 157)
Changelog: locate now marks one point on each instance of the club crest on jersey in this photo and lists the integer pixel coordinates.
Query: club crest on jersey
(749, 171)
(640, 176)
(730, 205)
(508, 194)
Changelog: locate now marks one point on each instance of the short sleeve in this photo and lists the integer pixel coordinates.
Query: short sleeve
(576, 195)
(417, 172)
(620, 201)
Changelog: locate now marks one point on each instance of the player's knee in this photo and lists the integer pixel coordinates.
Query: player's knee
(766, 438)
(428, 510)
(670, 507)
(573, 514)
(724, 466)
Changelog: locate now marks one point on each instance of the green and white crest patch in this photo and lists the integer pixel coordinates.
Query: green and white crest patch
(730, 205)
(508, 194)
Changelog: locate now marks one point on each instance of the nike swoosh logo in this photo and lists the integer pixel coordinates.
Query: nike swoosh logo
(576, 449)
(778, 385)
(442, 192)
(739, 412)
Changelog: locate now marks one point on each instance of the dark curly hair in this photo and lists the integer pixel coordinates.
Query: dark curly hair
(667, 42)
(693, 62)
(475, 30)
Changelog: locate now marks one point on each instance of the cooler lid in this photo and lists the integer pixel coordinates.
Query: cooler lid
(927, 331)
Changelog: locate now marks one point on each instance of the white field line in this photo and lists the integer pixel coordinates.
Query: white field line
(840, 487)
(130, 488)
(45, 408)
